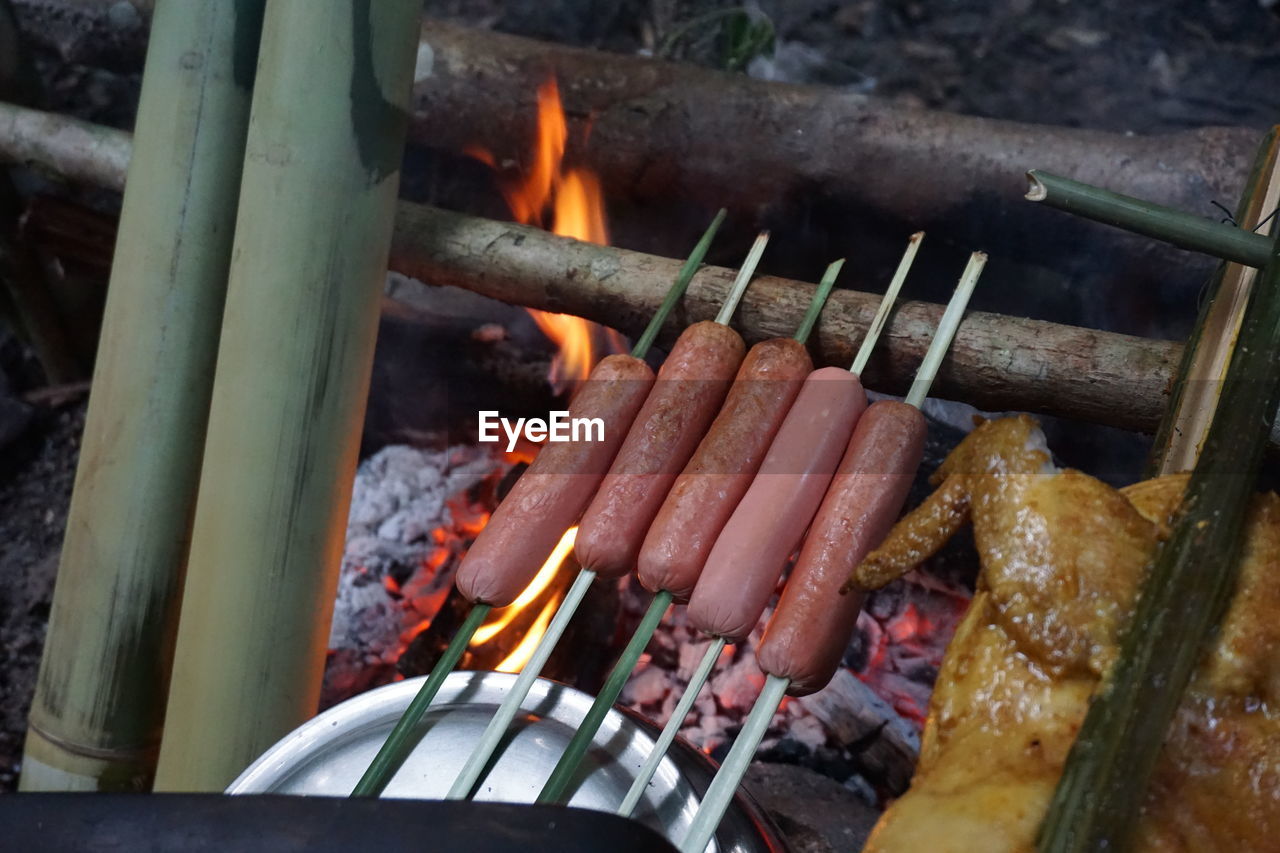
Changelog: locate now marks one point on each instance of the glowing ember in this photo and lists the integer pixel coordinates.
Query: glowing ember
(569, 202)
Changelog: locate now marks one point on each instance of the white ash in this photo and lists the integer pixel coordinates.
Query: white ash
(402, 545)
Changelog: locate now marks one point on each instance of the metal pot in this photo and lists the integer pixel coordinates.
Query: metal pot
(326, 756)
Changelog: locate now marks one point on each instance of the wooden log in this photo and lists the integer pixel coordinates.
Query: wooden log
(660, 131)
(657, 130)
(996, 363)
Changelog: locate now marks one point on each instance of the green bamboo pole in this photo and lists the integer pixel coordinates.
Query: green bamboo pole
(1104, 781)
(1184, 230)
(1207, 354)
(100, 698)
(321, 174)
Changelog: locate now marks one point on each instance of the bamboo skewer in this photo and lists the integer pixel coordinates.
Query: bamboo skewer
(672, 728)
(556, 785)
(397, 745)
(100, 698)
(497, 728)
(703, 671)
(554, 789)
(729, 776)
(483, 751)
(881, 318)
(1184, 230)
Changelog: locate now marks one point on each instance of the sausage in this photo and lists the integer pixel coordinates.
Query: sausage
(707, 491)
(551, 495)
(811, 627)
(691, 385)
(768, 523)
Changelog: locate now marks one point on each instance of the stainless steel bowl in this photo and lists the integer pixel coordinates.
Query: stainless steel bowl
(327, 755)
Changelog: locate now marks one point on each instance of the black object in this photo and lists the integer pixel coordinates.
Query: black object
(139, 823)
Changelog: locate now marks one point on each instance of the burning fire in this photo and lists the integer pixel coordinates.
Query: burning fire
(568, 202)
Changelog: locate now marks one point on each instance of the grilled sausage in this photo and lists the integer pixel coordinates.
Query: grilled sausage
(691, 385)
(721, 470)
(807, 636)
(768, 523)
(551, 495)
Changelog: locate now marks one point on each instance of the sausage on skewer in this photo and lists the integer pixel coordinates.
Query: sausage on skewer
(551, 495)
(691, 385)
(870, 512)
(807, 635)
(749, 555)
(714, 648)
(711, 485)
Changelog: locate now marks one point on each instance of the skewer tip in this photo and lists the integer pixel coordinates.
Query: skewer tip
(1036, 190)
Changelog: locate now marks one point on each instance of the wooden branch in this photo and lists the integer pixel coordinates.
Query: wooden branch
(657, 131)
(996, 362)
(661, 131)
(76, 150)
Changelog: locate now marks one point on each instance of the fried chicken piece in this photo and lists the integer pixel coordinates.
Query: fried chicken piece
(1063, 556)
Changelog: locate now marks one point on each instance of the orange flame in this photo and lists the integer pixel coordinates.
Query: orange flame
(575, 202)
(520, 655)
(571, 203)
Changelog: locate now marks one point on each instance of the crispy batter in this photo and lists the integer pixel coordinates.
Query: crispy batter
(1063, 556)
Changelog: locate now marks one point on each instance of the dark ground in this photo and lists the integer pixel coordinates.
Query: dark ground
(1144, 66)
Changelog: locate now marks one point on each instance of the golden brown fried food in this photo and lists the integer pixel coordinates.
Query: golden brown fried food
(1063, 556)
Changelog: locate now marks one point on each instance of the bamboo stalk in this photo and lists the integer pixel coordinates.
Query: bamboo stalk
(100, 698)
(1104, 782)
(1207, 354)
(317, 201)
(1184, 230)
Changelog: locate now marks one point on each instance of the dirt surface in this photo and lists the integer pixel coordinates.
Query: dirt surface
(36, 474)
